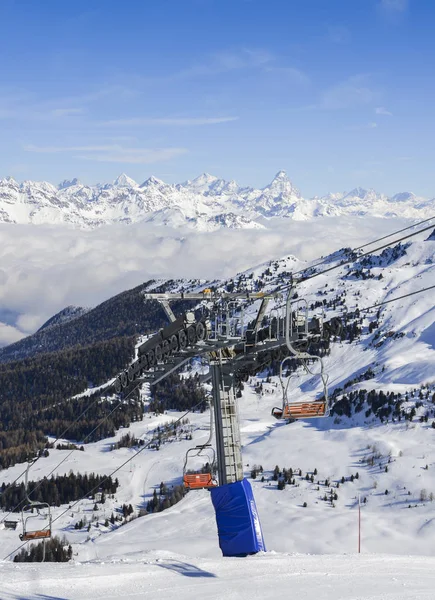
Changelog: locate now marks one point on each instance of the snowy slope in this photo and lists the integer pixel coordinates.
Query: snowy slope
(182, 540)
(205, 204)
(270, 576)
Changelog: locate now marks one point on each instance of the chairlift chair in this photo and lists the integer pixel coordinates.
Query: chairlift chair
(302, 409)
(31, 533)
(42, 533)
(203, 478)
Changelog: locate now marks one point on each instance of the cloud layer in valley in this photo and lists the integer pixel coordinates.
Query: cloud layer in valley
(44, 269)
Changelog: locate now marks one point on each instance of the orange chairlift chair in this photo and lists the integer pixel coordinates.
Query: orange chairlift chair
(200, 478)
(43, 513)
(301, 409)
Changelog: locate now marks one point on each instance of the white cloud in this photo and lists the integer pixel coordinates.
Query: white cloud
(113, 153)
(354, 91)
(87, 267)
(394, 5)
(9, 335)
(380, 110)
(221, 62)
(171, 121)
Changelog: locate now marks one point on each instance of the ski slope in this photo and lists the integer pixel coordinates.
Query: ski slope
(267, 576)
(312, 549)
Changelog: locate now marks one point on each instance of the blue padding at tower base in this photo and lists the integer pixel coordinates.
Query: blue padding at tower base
(237, 519)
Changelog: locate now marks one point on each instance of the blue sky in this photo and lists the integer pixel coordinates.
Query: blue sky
(339, 93)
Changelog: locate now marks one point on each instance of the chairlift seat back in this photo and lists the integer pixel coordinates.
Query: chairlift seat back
(198, 480)
(35, 535)
(304, 410)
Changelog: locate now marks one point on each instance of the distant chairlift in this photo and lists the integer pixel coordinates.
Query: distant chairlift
(43, 513)
(202, 478)
(30, 533)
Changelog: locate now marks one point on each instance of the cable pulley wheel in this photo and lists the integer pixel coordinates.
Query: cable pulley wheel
(173, 343)
(118, 386)
(136, 367)
(158, 353)
(166, 348)
(124, 379)
(130, 373)
(151, 358)
(201, 332)
(191, 335)
(143, 363)
(182, 337)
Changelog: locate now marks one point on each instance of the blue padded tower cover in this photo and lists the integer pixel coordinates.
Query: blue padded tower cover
(237, 519)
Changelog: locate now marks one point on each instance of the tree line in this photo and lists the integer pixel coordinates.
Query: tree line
(56, 550)
(56, 490)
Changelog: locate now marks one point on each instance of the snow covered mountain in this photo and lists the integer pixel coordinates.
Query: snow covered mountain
(206, 203)
(377, 447)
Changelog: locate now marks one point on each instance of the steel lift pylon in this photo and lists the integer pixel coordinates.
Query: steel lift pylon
(228, 443)
(235, 349)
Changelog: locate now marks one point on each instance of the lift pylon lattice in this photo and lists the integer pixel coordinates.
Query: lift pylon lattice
(228, 444)
(236, 348)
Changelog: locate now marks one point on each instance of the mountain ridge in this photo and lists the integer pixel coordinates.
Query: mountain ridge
(205, 203)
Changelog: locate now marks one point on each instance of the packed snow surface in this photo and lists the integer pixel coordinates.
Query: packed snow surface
(269, 576)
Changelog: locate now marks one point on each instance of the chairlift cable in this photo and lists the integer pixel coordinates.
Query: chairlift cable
(324, 261)
(73, 450)
(346, 262)
(89, 492)
(395, 299)
(59, 437)
(395, 232)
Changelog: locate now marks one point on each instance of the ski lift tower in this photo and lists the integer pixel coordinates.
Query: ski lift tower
(219, 329)
(223, 315)
(235, 348)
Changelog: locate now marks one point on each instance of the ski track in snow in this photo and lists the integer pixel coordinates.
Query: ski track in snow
(266, 576)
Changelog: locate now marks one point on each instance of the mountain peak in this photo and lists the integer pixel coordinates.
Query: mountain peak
(152, 181)
(403, 197)
(124, 181)
(204, 178)
(66, 183)
(8, 179)
(358, 192)
(281, 176)
(281, 185)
